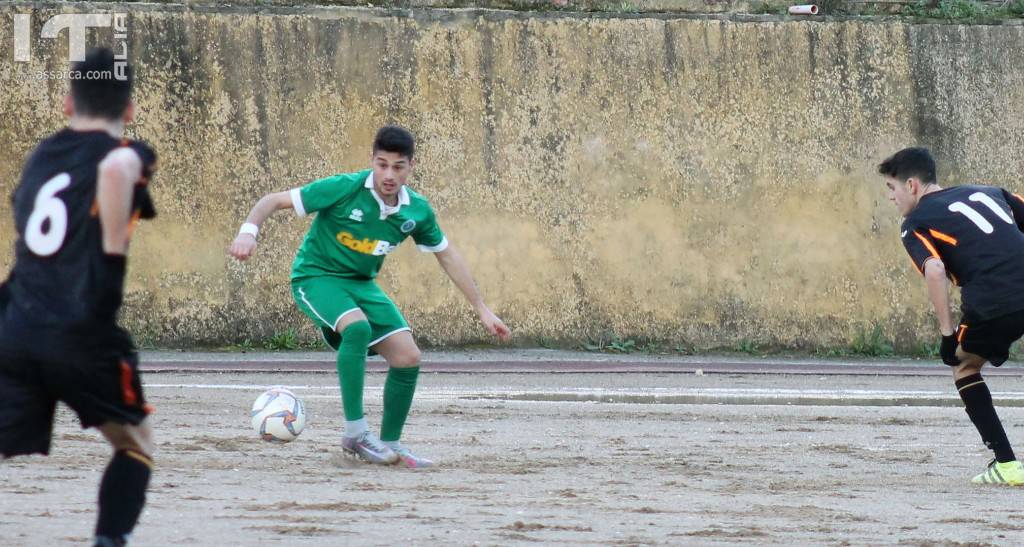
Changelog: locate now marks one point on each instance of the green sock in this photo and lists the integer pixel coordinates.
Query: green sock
(352, 368)
(398, 391)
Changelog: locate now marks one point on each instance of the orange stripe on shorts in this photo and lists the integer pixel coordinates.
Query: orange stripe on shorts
(127, 391)
(960, 336)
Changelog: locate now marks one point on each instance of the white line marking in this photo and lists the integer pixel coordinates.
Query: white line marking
(657, 392)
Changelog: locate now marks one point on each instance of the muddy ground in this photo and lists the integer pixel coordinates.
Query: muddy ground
(540, 472)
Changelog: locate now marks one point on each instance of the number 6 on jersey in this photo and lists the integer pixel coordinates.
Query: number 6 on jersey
(48, 207)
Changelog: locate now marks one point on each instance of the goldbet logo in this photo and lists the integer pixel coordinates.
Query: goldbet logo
(366, 246)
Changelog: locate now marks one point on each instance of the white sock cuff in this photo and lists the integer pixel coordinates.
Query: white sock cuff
(356, 428)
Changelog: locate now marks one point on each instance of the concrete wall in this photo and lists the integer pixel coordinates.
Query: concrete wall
(689, 180)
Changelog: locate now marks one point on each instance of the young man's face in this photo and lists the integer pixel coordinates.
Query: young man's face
(903, 193)
(390, 172)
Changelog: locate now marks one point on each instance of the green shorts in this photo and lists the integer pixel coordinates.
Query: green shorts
(327, 299)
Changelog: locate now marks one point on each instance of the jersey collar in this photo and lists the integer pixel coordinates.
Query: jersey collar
(385, 209)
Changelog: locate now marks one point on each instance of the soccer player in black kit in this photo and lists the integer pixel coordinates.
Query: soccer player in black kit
(972, 236)
(81, 192)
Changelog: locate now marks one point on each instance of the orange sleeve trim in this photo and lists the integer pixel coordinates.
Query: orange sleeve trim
(1018, 196)
(960, 335)
(134, 222)
(916, 267)
(929, 246)
(942, 237)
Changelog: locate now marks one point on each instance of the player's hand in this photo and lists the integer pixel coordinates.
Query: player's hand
(494, 325)
(947, 350)
(243, 246)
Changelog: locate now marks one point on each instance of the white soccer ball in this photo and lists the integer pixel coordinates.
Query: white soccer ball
(278, 415)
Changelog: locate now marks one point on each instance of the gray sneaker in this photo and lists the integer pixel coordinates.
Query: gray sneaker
(368, 447)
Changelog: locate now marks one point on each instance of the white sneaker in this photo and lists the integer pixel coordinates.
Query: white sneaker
(368, 447)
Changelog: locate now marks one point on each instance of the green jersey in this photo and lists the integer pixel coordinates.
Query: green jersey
(354, 229)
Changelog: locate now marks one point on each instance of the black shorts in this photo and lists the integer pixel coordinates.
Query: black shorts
(992, 338)
(97, 376)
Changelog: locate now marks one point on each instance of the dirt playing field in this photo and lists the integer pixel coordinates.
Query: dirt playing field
(515, 469)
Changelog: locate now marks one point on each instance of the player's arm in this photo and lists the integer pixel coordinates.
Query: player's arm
(927, 260)
(455, 266)
(311, 198)
(118, 173)
(938, 293)
(244, 244)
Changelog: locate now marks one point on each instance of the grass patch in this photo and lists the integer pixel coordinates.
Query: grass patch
(287, 340)
(747, 346)
(871, 343)
(963, 11)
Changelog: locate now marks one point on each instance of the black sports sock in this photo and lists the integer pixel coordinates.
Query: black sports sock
(122, 495)
(978, 403)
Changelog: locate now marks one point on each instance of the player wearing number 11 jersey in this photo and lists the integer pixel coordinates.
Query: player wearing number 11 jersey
(80, 194)
(970, 236)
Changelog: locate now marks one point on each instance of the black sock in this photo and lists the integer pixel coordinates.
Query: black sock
(122, 495)
(978, 403)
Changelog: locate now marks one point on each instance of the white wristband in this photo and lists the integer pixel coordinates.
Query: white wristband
(249, 228)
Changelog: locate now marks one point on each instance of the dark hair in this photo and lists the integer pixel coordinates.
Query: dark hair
(96, 91)
(394, 138)
(910, 162)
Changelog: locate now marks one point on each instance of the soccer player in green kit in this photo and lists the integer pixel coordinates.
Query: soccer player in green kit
(361, 217)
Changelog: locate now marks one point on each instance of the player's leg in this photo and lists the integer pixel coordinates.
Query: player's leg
(392, 340)
(327, 301)
(26, 410)
(977, 398)
(403, 357)
(123, 487)
(358, 439)
(103, 386)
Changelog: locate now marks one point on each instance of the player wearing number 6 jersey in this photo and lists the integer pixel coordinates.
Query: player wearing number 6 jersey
(80, 194)
(971, 236)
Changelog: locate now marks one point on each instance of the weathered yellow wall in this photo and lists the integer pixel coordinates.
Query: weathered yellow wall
(677, 179)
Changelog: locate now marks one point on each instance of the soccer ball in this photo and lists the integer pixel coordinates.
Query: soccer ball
(278, 415)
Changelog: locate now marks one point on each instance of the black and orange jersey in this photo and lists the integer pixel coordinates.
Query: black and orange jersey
(61, 277)
(977, 233)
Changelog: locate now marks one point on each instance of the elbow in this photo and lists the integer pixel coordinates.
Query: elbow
(280, 200)
(935, 269)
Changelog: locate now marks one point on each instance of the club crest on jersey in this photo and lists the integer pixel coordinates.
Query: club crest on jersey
(356, 215)
(366, 246)
(408, 226)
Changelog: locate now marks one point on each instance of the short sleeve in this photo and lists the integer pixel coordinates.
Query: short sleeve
(428, 235)
(142, 202)
(323, 193)
(148, 157)
(919, 246)
(1016, 203)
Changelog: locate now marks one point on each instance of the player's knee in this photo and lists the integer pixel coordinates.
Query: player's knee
(971, 364)
(357, 332)
(128, 437)
(407, 358)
